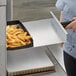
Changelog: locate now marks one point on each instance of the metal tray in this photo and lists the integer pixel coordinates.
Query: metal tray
(46, 31)
(20, 25)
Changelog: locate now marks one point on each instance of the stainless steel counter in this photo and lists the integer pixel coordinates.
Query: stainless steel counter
(59, 70)
(51, 33)
(45, 32)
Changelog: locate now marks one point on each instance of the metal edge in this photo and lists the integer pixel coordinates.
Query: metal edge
(58, 21)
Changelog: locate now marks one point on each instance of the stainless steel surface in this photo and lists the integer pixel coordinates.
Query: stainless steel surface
(3, 56)
(21, 61)
(2, 60)
(45, 32)
(57, 51)
(2, 2)
(40, 27)
(59, 69)
(2, 39)
(2, 24)
(9, 10)
(58, 27)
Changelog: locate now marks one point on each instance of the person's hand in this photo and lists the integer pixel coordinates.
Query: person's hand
(74, 18)
(61, 44)
(72, 25)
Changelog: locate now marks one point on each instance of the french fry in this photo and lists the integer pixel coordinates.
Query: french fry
(16, 37)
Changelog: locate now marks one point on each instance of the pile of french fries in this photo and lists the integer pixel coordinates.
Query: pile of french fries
(16, 37)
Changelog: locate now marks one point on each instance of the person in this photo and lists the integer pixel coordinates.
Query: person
(68, 13)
